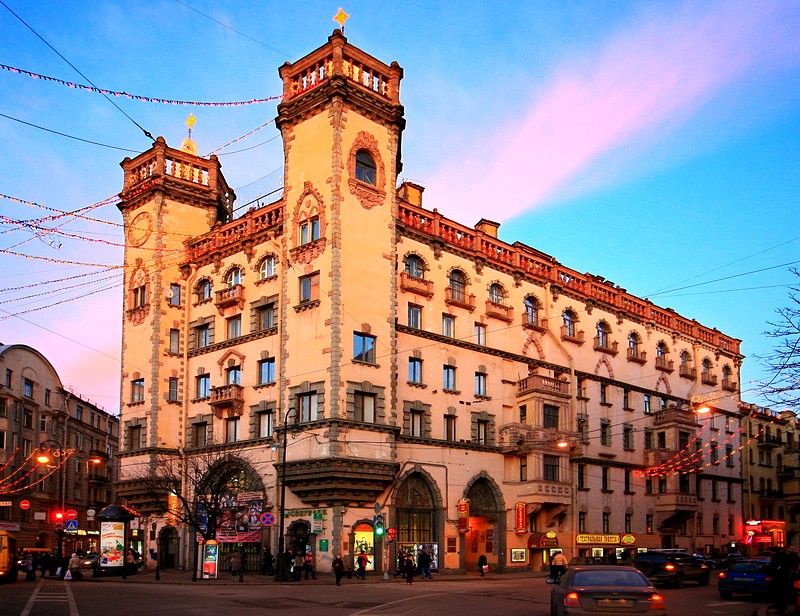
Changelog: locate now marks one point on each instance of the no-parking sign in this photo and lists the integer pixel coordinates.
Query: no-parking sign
(267, 519)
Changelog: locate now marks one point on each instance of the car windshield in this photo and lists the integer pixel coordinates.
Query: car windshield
(747, 566)
(609, 578)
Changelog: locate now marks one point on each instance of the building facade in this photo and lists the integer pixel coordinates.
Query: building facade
(771, 476)
(372, 357)
(57, 456)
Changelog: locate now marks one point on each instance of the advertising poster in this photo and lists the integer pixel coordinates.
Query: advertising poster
(364, 542)
(112, 541)
(210, 556)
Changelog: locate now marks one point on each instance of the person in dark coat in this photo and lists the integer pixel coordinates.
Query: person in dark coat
(424, 562)
(781, 571)
(338, 569)
(482, 563)
(266, 562)
(410, 569)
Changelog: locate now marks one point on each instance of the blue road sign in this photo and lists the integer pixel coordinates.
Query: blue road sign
(71, 525)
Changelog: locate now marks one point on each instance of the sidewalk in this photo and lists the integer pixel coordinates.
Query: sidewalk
(175, 576)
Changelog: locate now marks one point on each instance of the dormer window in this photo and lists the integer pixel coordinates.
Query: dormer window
(365, 167)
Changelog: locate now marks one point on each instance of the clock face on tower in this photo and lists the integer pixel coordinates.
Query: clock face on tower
(140, 228)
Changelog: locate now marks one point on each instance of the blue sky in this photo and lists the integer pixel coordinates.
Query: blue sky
(654, 144)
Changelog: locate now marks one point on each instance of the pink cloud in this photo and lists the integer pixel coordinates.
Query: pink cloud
(646, 78)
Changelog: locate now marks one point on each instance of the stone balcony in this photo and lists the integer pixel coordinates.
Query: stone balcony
(676, 501)
(539, 384)
(457, 297)
(227, 400)
(519, 438)
(499, 311)
(419, 286)
(681, 417)
(230, 296)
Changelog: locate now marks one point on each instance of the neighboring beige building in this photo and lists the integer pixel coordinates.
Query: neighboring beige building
(79, 441)
(425, 368)
(771, 476)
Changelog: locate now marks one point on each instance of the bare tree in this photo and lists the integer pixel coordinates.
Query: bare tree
(199, 490)
(783, 389)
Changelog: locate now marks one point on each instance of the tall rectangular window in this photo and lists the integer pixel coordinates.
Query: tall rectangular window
(203, 386)
(203, 335)
(232, 433)
(449, 378)
(307, 405)
(27, 388)
(172, 392)
(266, 371)
(139, 296)
(662, 484)
(266, 424)
(200, 434)
(448, 325)
(267, 316)
(174, 341)
(363, 348)
(581, 521)
(233, 375)
(550, 416)
(174, 294)
(626, 399)
(480, 334)
(309, 230)
(523, 469)
(523, 413)
(482, 432)
(135, 437)
(581, 476)
(605, 432)
(450, 428)
(550, 468)
(684, 485)
(415, 370)
(646, 402)
(415, 423)
(648, 438)
(714, 451)
(627, 437)
(364, 407)
(628, 522)
(137, 390)
(234, 327)
(480, 384)
(2, 439)
(606, 522)
(415, 316)
(627, 480)
(605, 479)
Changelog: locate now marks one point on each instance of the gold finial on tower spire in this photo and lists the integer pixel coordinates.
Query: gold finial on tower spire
(341, 17)
(188, 145)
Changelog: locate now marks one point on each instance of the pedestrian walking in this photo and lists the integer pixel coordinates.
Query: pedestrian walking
(424, 562)
(287, 561)
(308, 565)
(298, 566)
(74, 567)
(361, 563)
(409, 567)
(781, 571)
(30, 570)
(266, 562)
(235, 560)
(483, 564)
(338, 569)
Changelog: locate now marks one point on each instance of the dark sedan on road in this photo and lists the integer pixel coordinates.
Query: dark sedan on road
(745, 577)
(606, 589)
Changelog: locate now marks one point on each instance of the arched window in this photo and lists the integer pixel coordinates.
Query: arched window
(531, 305)
(496, 293)
(570, 324)
(203, 290)
(603, 335)
(686, 359)
(365, 167)
(415, 266)
(268, 267)
(458, 285)
(706, 366)
(416, 511)
(233, 277)
(661, 351)
(634, 346)
(726, 372)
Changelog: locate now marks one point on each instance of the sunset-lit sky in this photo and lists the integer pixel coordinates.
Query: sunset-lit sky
(652, 143)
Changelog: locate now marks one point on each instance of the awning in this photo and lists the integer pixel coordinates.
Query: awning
(543, 540)
(674, 519)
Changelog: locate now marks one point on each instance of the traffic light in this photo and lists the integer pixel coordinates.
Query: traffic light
(58, 517)
(391, 534)
(379, 528)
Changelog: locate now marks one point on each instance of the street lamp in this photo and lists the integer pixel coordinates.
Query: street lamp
(280, 570)
(54, 447)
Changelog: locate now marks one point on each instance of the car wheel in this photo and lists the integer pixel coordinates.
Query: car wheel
(678, 581)
(725, 594)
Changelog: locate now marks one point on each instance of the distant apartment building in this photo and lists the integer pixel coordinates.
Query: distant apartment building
(771, 475)
(57, 456)
(479, 395)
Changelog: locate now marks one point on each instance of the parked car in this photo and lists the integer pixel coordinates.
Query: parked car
(90, 561)
(590, 560)
(671, 568)
(708, 562)
(610, 589)
(746, 576)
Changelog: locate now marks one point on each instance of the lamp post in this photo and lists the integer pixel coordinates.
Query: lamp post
(44, 459)
(280, 570)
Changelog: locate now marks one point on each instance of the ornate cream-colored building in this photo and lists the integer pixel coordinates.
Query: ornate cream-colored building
(425, 368)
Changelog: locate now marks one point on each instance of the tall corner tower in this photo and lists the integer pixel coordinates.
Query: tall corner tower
(168, 197)
(341, 121)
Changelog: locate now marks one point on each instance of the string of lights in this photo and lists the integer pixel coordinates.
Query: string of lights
(136, 97)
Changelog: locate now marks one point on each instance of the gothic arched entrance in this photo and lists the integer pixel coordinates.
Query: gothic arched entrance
(487, 527)
(416, 513)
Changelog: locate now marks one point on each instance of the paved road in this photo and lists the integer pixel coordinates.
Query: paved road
(498, 595)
